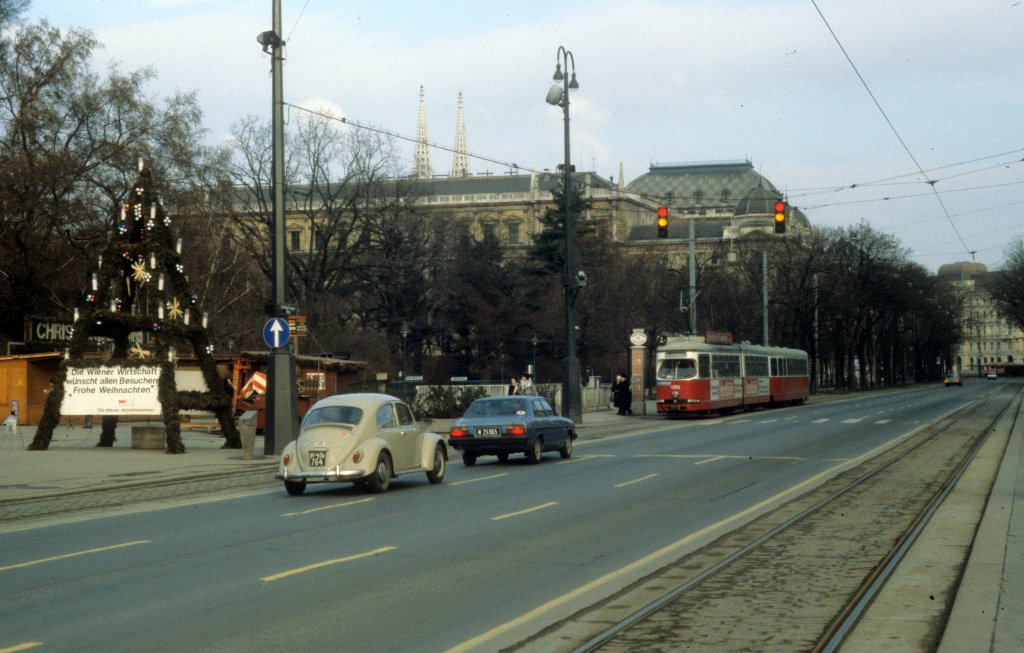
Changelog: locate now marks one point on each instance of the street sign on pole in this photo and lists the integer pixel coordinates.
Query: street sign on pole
(276, 333)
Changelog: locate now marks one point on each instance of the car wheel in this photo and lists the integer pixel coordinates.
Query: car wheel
(566, 450)
(535, 452)
(295, 488)
(469, 459)
(436, 475)
(381, 478)
(502, 457)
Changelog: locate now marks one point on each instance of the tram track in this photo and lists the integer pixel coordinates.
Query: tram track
(798, 578)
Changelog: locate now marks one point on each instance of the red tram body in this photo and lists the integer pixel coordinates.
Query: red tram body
(694, 376)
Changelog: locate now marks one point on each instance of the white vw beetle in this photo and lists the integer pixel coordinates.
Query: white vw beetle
(364, 439)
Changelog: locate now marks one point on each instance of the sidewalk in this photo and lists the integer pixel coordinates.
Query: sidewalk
(986, 615)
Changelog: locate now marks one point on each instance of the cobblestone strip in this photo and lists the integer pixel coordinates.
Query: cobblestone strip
(55, 504)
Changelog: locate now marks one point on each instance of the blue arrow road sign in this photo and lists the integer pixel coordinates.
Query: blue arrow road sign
(276, 332)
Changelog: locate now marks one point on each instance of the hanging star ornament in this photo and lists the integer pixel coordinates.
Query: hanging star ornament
(139, 272)
(138, 351)
(174, 309)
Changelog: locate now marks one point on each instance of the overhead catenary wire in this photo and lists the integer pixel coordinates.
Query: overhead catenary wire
(411, 139)
(893, 128)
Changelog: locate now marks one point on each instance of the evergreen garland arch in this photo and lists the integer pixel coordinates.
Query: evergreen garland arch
(139, 296)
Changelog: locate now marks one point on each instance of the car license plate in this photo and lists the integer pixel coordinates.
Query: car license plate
(317, 458)
(488, 432)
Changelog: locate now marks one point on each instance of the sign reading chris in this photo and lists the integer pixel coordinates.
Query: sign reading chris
(40, 328)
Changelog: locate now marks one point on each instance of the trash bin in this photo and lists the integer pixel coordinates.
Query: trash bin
(247, 433)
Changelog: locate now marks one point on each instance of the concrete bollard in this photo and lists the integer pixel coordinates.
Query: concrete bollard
(247, 433)
(151, 436)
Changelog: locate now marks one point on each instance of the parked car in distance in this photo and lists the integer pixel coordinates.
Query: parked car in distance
(501, 426)
(363, 438)
(991, 375)
(953, 379)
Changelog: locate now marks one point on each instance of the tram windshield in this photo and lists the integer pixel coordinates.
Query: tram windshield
(682, 368)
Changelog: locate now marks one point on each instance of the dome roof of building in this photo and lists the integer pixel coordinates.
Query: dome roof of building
(961, 270)
(758, 201)
(711, 183)
(728, 187)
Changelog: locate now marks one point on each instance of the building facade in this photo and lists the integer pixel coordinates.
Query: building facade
(987, 337)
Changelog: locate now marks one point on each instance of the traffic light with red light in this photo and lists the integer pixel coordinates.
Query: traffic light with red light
(780, 217)
(662, 222)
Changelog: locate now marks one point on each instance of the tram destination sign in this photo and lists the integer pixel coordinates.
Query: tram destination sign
(41, 328)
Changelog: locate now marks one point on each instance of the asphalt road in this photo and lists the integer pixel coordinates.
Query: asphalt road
(494, 554)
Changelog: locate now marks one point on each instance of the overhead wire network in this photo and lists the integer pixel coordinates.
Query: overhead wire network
(895, 180)
(393, 134)
(920, 168)
(796, 193)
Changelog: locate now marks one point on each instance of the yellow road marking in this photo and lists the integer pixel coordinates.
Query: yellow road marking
(327, 563)
(670, 455)
(580, 459)
(482, 478)
(73, 555)
(21, 647)
(714, 459)
(547, 607)
(710, 458)
(638, 480)
(331, 507)
(523, 512)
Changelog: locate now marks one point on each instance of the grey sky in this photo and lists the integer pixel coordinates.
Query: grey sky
(762, 80)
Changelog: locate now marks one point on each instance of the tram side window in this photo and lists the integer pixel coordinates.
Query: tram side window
(756, 366)
(677, 369)
(725, 366)
(704, 365)
(797, 367)
(775, 367)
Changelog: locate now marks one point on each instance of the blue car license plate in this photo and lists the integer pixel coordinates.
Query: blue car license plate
(317, 458)
(488, 432)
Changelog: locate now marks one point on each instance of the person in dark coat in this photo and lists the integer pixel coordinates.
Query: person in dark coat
(513, 386)
(622, 397)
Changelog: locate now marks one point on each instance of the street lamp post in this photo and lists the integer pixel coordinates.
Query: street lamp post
(559, 96)
(405, 334)
(534, 342)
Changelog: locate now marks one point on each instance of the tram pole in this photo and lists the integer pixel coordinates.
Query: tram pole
(693, 278)
(764, 296)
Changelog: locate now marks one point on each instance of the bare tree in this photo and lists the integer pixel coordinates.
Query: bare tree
(1007, 285)
(69, 148)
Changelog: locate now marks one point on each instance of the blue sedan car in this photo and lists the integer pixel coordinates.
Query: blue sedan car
(499, 426)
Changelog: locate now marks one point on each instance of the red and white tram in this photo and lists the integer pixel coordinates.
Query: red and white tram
(694, 376)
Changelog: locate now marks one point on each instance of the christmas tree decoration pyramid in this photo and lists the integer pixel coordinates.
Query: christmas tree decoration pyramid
(140, 299)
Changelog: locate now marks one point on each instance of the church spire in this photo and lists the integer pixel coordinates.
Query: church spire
(460, 161)
(421, 164)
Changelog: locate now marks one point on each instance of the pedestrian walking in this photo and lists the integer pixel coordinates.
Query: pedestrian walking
(622, 397)
(513, 386)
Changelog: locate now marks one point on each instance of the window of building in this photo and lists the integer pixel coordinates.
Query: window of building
(294, 240)
(698, 197)
(489, 231)
(726, 195)
(513, 233)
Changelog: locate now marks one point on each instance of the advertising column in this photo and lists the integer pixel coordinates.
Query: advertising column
(637, 366)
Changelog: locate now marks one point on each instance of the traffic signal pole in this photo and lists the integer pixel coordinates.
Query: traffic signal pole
(692, 260)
